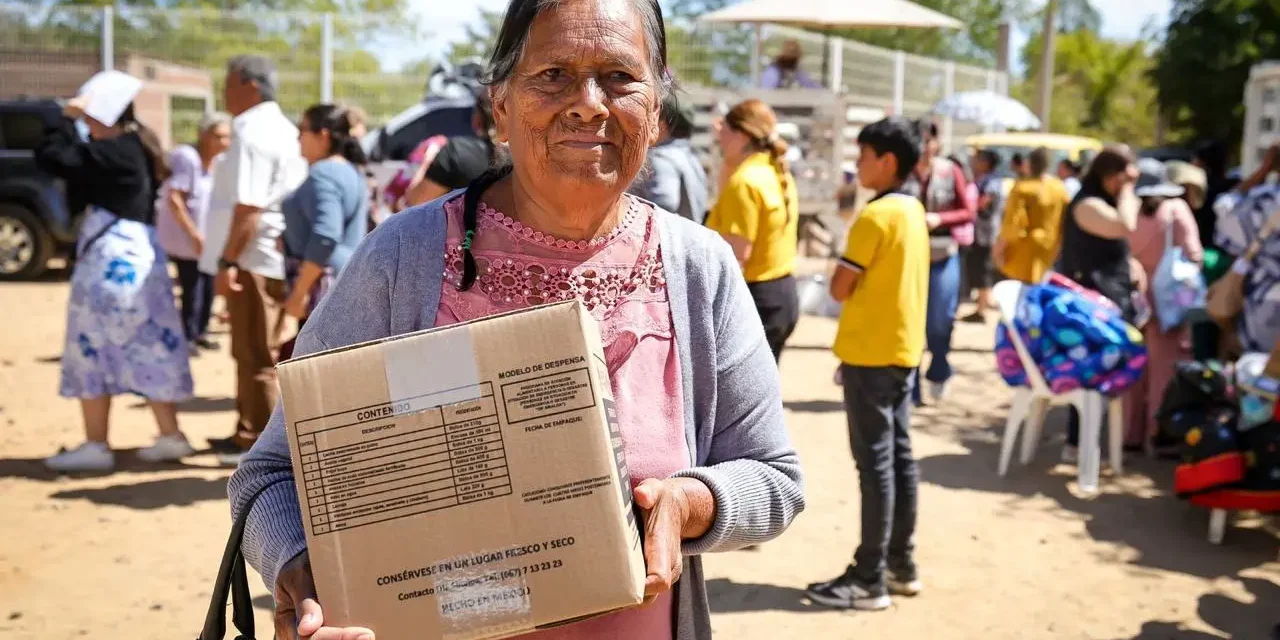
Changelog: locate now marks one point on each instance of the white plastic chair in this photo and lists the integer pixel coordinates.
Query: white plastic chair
(1031, 405)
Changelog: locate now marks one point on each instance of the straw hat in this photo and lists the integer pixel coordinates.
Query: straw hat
(1191, 177)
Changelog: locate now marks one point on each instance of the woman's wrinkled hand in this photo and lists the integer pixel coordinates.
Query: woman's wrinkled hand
(298, 615)
(674, 510)
(666, 510)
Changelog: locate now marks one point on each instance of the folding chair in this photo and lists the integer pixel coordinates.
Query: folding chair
(1031, 405)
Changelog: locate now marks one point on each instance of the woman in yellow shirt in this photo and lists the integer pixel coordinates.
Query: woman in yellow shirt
(758, 212)
(1032, 230)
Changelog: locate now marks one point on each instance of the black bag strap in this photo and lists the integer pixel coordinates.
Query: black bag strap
(233, 578)
(83, 249)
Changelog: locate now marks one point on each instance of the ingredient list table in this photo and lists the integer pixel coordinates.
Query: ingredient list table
(402, 459)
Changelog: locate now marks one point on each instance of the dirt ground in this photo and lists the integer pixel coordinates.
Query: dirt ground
(133, 554)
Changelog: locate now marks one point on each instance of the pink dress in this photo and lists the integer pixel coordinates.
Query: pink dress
(620, 279)
(1147, 242)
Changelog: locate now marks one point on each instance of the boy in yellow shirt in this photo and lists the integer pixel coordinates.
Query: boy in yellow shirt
(883, 281)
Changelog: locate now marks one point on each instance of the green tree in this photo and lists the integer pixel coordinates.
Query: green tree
(1204, 63)
(704, 54)
(1101, 87)
(477, 44)
(1078, 15)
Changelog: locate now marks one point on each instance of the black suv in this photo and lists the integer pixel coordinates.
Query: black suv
(36, 221)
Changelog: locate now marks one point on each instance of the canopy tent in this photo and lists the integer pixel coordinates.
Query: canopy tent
(831, 14)
(835, 14)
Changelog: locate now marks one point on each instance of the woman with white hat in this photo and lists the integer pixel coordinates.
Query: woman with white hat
(124, 334)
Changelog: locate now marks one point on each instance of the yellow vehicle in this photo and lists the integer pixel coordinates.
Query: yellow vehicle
(1078, 149)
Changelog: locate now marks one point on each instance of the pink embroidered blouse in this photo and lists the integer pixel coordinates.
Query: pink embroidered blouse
(620, 279)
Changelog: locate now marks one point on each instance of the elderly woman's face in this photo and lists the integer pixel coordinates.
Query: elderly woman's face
(582, 106)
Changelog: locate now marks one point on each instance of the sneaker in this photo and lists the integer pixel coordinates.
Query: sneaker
(1070, 454)
(224, 445)
(902, 583)
(849, 592)
(207, 344)
(938, 391)
(167, 449)
(90, 456)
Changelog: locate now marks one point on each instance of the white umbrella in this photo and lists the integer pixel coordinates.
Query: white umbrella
(835, 14)
(988, 109)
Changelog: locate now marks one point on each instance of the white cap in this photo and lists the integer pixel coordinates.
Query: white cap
(108, 94)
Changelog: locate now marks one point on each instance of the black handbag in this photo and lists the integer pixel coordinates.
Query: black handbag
(233, 578)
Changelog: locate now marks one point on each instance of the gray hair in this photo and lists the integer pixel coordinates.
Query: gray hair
(213, 119)
(514, 34)
(258, 70)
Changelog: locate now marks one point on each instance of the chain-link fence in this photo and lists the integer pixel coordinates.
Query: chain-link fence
(49, 50)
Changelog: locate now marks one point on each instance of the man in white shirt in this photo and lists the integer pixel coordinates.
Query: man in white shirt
(262, 166)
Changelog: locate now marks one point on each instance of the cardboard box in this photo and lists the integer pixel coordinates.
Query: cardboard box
(467, 481)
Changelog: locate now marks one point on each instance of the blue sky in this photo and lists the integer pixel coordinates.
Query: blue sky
(447, 19)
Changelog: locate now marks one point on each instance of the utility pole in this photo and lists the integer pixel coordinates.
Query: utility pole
(1046, 61)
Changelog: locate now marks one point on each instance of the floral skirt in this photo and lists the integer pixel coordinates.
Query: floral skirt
(124, 334)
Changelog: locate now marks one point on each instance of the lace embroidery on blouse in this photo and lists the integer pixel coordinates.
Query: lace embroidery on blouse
(618, 276)
(601, 281)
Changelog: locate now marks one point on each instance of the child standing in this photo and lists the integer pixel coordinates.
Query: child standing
(883, 281)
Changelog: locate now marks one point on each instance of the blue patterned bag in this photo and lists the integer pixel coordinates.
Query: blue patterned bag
(1076, 342)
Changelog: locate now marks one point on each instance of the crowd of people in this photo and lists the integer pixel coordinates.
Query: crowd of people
(581, 183)
(257, 210)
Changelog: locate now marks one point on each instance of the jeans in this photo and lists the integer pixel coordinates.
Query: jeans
(197, 298)
(940, 319)
(876, 401)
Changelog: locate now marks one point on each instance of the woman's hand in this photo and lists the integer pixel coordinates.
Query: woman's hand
(74, 108)
(298, 615)
(932, 220)
(296, 305)
(997, 252)
(675, 509)
(197, 242)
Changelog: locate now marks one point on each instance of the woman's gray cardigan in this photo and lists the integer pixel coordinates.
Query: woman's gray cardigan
(732, 400)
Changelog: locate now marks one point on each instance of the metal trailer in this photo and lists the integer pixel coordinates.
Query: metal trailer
(821, 125)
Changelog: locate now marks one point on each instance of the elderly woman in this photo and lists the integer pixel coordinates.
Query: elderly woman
(180, 222)
(576, 88)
